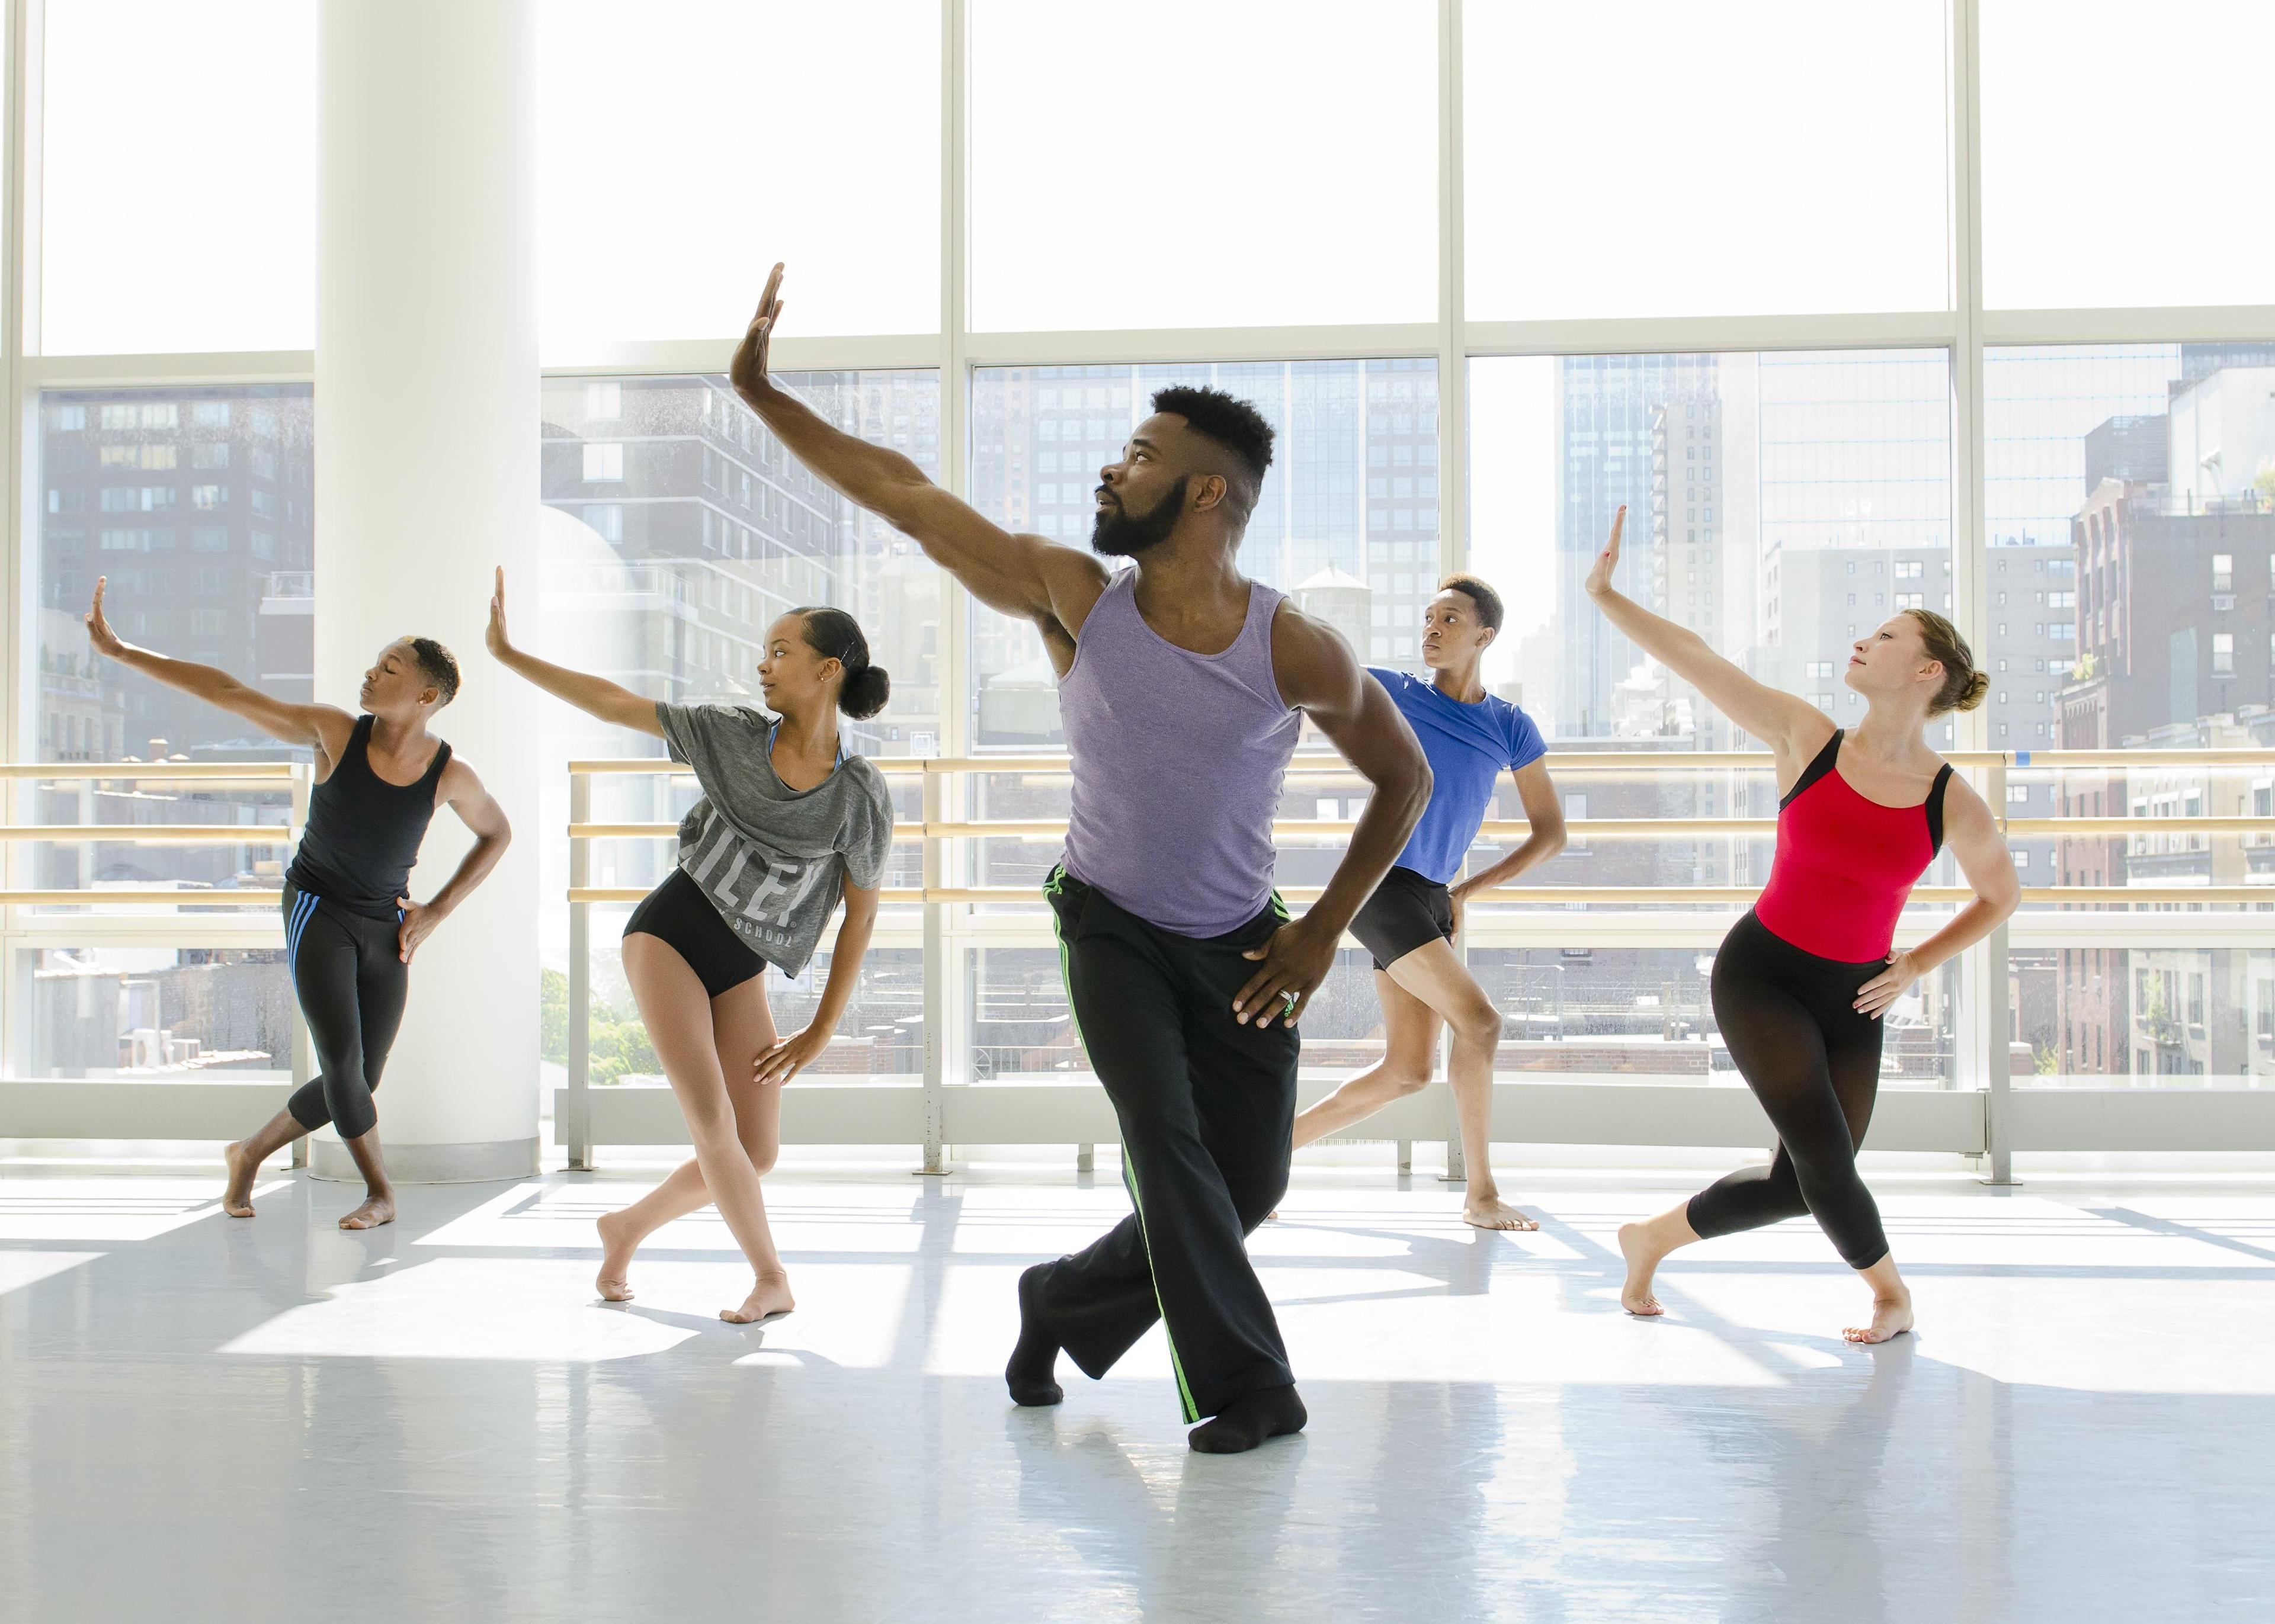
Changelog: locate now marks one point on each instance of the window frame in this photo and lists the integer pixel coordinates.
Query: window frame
(1965, 330)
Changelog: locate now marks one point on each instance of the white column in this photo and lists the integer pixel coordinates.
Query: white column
(426, 447)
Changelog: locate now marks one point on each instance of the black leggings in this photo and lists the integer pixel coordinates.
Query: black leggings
(1814, 1062)
(349, 974)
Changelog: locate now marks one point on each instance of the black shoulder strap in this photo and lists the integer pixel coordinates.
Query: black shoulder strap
(433, 775)
(1816, 769)
(358, 750)
(1935, 812)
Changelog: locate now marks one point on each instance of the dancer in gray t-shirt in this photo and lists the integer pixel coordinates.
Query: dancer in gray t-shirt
(787, 825)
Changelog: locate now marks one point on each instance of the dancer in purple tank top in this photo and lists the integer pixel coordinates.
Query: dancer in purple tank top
(1179, 682)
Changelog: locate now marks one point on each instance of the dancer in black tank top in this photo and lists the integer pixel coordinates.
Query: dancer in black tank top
(350, 927)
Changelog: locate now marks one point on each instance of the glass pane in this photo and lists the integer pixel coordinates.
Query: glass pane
(1635, 158)
(196, 503)
(1347, 522)
(2131, 499)
(1291, 153)
(2162, 1018)
(2112, 142)
(149, 1013)
(684, 145)
(178, 208)
(1779, 504)
(675, 530)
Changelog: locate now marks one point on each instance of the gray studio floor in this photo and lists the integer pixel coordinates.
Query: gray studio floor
(208, 1419)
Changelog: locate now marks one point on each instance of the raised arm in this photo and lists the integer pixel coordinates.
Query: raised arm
(1321, 676)
(1786, 723)
(1020, 575)
(595, 696)
(324, 728)
(478, 809)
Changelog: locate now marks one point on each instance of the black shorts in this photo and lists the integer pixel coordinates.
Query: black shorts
(1406, 911)
(678, 913)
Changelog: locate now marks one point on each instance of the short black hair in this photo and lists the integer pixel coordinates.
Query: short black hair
(1228, 420)
(437, 664)
(1488, 601)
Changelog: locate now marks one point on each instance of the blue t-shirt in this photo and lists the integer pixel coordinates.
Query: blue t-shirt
(1469, 746)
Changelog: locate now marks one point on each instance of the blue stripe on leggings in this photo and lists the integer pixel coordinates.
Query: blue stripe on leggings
(301, 912)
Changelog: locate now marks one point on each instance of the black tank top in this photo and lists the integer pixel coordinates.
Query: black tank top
(363, 833)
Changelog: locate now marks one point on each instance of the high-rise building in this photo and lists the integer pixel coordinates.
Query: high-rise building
(695, 530)
(197, 504)
(1606, 408)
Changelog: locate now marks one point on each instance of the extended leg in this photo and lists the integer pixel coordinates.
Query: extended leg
(1779, 1048)
(1434, 974)
(244, 1158)
(1409, 1036)
(743, 1029)
(677, 1013)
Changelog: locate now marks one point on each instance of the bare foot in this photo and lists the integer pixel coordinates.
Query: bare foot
(1491, 1212)
(613, 1282)
(769, 1299)
(375, 1211)
(1892, 1317)
(1635, 1295)
(237, 1200)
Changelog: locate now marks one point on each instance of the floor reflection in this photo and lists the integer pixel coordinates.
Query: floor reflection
(2078, 1432)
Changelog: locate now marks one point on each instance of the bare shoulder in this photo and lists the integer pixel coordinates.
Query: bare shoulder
(1075, 576)
(333, 727)
(459, 778)
(1309, 658)
(1962, 800)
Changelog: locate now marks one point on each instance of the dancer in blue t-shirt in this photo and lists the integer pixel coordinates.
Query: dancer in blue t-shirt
(1469, 738)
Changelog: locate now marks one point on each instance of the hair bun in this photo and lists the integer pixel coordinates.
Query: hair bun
(1971, 695)
(864, 692)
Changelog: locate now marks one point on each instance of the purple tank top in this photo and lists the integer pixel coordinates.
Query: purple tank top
(1177, 763)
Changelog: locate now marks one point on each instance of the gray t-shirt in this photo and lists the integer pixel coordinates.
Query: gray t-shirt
(767, 856)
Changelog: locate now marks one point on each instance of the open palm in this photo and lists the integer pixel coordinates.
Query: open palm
(1607, 562)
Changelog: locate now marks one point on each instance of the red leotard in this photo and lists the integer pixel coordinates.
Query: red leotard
(1844, 865)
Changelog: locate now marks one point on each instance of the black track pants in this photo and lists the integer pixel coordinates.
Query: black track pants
(1815, 1065)
(350, 977)
(1207, 1108)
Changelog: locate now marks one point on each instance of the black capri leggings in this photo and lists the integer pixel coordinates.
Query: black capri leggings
(1814, 1062)
(349, 974)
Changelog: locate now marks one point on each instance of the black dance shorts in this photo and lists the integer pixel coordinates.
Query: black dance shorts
(678, 913)
(1406, 911)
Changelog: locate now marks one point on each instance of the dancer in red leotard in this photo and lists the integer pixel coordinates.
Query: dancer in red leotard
(1800, 983)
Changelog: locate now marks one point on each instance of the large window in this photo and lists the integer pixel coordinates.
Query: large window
(685, 146)
(179, 193)
(2111, 145)
(197, 505)
(1202, 164)
(1652, 203)
(1639, 158)
(664, 562)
